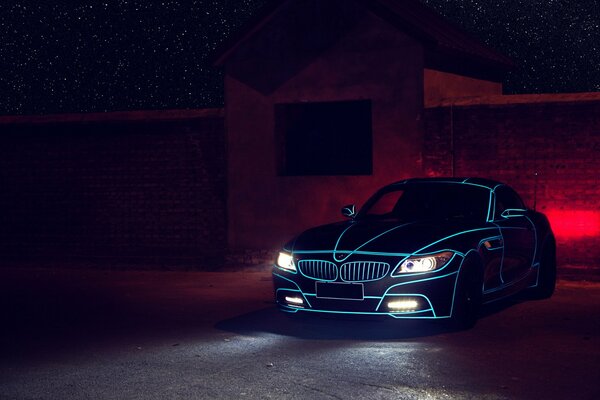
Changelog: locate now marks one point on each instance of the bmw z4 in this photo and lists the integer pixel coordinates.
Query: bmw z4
(432, 248)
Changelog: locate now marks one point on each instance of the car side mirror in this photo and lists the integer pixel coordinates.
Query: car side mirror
(513, 212)
(349, 211)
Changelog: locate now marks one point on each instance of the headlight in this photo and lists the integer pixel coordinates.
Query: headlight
(424, 263)
(286, 261)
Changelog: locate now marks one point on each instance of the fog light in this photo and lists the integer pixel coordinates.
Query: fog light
(403, 305)
(295, 301)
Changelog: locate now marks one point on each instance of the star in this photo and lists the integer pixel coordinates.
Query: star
(90, 56)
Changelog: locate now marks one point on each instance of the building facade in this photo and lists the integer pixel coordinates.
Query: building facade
(326, 101)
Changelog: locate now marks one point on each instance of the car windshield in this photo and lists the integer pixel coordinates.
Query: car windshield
(419, 201)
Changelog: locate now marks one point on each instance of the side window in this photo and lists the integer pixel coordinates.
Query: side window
(507, 198)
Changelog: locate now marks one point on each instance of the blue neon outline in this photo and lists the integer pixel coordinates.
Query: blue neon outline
(335, 248)
(351, 211)
(498, 237)
(491, 211)
(501, 287)
(490, 199)
(364, 297)
(411, 282)
(418, 252)
(537, 275)
(410, 295)
(535, 240)
(393, 274)
(456, 281)
(495, 205)
(500, 228)
(373, 253)
(513, 216)
(291, 290)
(394, 315)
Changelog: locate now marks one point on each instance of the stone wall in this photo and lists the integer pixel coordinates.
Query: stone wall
(146, 186)
(515, 138)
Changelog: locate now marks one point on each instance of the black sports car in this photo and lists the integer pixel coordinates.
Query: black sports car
(422, 248)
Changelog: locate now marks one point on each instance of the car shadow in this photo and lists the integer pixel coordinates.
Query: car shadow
(329, 326)
(500, 305)
(340, 327)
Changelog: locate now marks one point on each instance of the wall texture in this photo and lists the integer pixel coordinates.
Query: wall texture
(511, 138)
(146, 186)
(438, 86)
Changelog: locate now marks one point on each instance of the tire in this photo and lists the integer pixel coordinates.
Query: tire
(547, 272)
(467, 298)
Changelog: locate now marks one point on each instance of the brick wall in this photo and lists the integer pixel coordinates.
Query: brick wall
(136, 186)
(512, 140)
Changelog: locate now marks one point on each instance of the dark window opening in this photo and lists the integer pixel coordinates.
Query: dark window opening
(332, 138)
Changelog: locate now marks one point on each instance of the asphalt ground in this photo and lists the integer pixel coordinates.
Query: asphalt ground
(85, 334)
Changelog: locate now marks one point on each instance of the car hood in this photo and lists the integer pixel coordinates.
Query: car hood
(384, 236)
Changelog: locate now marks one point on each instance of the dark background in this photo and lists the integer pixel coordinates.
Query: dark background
(86, 56)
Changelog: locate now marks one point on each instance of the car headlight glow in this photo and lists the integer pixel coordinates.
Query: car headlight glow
(426, 263)
(286, 261)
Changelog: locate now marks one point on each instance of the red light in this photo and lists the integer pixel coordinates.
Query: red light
(574, 223)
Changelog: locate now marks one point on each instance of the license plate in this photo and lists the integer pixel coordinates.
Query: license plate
(344, 291)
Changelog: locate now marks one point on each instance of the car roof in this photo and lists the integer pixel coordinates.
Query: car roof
(487, 183)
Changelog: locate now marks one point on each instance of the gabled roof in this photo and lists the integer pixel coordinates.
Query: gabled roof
(412, 16)
(447, 47)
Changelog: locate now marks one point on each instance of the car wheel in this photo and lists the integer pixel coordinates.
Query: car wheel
(467, 298)
(547, 272)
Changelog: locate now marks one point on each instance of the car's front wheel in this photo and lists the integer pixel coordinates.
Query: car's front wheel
(467, 297)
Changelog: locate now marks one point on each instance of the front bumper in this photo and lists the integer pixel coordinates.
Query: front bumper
(427, 295)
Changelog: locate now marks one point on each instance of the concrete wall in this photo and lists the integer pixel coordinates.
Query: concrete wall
(351, 56)
(518, 136)
(146, 186)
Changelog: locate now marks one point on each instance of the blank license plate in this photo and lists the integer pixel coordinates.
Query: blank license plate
(347, 291)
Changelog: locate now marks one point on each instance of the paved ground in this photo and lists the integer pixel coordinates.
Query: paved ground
(71, 334)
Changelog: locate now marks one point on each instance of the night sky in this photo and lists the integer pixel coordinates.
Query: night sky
(90, 56)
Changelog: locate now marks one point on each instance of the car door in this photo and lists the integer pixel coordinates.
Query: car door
(518, 234)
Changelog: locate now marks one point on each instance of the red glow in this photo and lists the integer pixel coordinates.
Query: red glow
(574, 223)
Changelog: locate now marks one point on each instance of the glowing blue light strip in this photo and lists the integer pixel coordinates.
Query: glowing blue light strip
(503, 250)
(537, 275)
(501, 287)
(535, 240)
(291, 290)
(491, 213)
(411, 295)
(490, 239)
(395, 274)
(394, 315)
(418, 252)
(335, 249)
(490, 202)
(410, 283)
(364, 297)
(371, 253)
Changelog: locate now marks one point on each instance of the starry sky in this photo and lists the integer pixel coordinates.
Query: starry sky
(94, 56)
